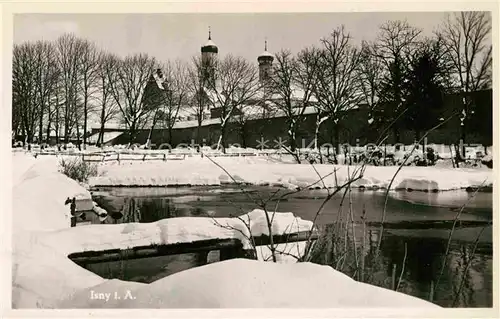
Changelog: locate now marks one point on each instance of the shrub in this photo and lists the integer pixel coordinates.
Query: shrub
(77, 169)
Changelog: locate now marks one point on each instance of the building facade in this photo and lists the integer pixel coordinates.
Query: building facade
(354, 128)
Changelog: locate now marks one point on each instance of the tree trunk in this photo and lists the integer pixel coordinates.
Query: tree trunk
(49, 122)
(31, 136)
(423, 148)
(293, 144)
(148, 142)
(133, 132)
(198, 133)
(85, 119)
(100, 138)
(23, 133)
(417, 139)
(66, 121)
(57, 121)
(462, 140)
(243, 135)
(336, 132)
(170, 134)
(222, 139)
(397, 137)
(316, 131)
(292, 135)
(78, 136)
(40, 123)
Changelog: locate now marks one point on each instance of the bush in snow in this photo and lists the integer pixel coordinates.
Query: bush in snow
(77, 169)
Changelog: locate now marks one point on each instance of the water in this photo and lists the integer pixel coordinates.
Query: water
(416, 231)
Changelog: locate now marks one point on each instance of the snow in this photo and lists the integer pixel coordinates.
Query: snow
(258, 170)
(108, 136)
(43, 276)
(234, 284)
(34, 184)
(42, 273)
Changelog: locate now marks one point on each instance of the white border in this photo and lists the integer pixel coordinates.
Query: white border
(8, 8)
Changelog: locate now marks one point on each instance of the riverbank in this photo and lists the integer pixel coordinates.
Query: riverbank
(43, 275)
(193, 171)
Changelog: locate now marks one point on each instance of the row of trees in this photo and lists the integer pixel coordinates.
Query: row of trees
(56, 86)
(401, 76)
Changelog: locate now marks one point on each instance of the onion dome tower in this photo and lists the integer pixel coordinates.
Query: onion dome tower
(265, 64)
(209, 53)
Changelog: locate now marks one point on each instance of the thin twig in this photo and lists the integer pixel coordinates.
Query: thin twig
(351, 213)
(402, 269)
(399, 169)
(455, 300)
(320, 209)
(455, 221)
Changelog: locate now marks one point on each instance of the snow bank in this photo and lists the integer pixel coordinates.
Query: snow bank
(170, 231)
(234, 284)
(39, 192)
(40, 274)
(41, 266)
(43, 275)
(259, 171)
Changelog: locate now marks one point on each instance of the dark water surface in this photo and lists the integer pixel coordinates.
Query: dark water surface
(416, 231)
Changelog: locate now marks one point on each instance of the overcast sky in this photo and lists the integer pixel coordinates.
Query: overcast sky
(172, 36)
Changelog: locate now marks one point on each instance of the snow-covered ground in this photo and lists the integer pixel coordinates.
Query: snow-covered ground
(444, 151)
(242, 283)
(264, 171)
(44, 277)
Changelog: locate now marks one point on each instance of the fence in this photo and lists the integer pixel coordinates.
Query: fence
(108, 156)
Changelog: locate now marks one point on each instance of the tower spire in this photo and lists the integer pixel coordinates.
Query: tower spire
(265, 44)
(209, 33)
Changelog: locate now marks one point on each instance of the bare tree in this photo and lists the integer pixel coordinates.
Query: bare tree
(153, 98)
(128, 91)
(24, 90)
(467, 36)
(89, 63)
(198, 98)
(67, 47)
(338, 89)
(45, 78)
(251, 111)
(55, 106)
(395, 46)
(237, 83)
(370, 75)
(175, 94)
(107, 73)
(292, 86)
(306, 77)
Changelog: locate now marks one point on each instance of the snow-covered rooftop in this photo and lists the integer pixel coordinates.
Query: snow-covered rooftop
(108, 136)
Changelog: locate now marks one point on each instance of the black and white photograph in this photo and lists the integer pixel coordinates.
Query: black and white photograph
(249, 160)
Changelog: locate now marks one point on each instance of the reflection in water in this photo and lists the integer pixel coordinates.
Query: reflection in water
(466, 279)
(144, 210)
(149, 269)
(417, 233)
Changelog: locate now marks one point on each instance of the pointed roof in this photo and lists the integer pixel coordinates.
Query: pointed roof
(210, 46)
(265, 55)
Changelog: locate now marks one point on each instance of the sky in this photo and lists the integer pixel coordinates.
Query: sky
(180, 35)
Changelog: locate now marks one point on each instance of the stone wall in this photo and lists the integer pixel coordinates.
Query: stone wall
(353, 129)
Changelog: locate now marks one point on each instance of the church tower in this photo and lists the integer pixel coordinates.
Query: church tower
(209, 54)
(265, 64)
